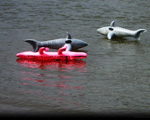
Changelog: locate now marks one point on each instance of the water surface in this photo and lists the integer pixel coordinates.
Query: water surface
(113, 79)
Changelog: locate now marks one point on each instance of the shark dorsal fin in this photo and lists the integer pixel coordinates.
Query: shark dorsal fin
(112, 24)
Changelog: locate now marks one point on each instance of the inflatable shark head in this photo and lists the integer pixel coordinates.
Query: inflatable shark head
(107, 29)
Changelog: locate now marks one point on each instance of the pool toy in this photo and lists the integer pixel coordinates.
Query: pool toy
(112, 31)
(57, 43)
(47, 56)
(63, 53)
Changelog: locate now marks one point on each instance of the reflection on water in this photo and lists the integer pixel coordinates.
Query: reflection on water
(31, 79)
(61, 65)
(49, 86)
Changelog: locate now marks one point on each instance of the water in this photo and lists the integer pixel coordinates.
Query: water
(113, 79)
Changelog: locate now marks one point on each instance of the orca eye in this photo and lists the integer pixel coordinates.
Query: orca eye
(111, 29)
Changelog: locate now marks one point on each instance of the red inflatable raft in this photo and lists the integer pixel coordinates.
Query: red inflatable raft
(43, 55)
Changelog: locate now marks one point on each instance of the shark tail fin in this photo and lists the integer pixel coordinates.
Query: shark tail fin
(34, 44)
(138, 32)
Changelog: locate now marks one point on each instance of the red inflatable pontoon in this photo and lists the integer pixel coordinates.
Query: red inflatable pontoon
(44, 55)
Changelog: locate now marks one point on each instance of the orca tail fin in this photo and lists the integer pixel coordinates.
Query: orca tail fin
(138, 33)
(34, 44)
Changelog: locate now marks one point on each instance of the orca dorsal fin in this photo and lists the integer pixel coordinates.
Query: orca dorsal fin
(112, 24)
(68, 37)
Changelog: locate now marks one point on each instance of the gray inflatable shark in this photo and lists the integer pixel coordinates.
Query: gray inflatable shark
(57, 43)
(111, 31)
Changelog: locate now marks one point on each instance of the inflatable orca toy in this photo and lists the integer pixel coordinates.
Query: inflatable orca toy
(63, 53)
(57, 43)
(112, 31)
